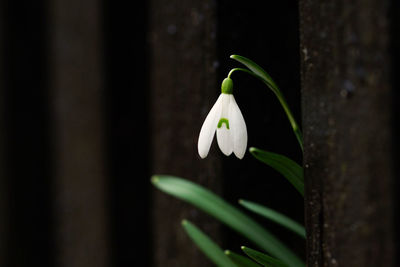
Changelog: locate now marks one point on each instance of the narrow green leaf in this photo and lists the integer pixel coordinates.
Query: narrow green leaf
(240, 260)
(264, 76)
(227, 214)
(262, 258)
(207, 246)
(274, 216)
(292, 171)
(256, 69)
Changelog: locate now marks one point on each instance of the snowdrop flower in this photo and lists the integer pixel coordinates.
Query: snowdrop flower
(225, 118)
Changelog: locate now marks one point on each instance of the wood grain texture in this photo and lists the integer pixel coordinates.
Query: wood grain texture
(183, 89)
(347, 111)
(76, 92)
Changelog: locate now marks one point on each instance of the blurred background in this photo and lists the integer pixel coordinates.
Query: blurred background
(98, 95)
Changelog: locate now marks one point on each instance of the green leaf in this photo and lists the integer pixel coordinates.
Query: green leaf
(227, 214)
(292, 171)
(264, 76)
(274, 216)
(240, 260)
(207, 246)
(256, 69)
(262, 258)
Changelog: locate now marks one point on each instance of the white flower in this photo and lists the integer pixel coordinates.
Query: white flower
(225, 118)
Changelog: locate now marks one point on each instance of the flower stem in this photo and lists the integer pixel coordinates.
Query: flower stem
(282, 100)
(240, 69)
(293, 123)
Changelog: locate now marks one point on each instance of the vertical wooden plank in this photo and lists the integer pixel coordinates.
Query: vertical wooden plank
(183, 89)
(347, 132)
(395, 64)
(76, 95)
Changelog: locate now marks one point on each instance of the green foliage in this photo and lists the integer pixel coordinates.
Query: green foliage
(241, 261)
(207, 246)
(260, 73)
(232, 217)
(274, 216)
(292, 171)
(263, 259)
(227, 214)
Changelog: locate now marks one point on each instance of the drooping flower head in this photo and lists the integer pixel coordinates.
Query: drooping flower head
(226, 119)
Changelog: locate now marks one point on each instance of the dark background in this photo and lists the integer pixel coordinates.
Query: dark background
(99, 95)
(76, 137)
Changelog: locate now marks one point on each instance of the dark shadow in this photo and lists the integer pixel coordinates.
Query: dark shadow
(126, 114)
(29, 239)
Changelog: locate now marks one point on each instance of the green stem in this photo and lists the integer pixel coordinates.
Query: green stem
(240, 69)
(282, 100)
(293, 123)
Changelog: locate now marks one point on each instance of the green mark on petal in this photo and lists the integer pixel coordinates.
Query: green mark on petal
(222, 121)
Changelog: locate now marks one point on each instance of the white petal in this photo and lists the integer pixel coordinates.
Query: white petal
(238, 129)
(208, 129)
(224, 139)
(224, 135)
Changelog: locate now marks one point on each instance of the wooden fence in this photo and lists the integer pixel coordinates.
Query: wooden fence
(96, 96)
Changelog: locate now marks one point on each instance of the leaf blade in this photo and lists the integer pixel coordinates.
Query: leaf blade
(292, 171)
(262, 258)
(207, 246)
(256, 69)
(264, 76)
(240, 260)
(217, 207)
(274, 216)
